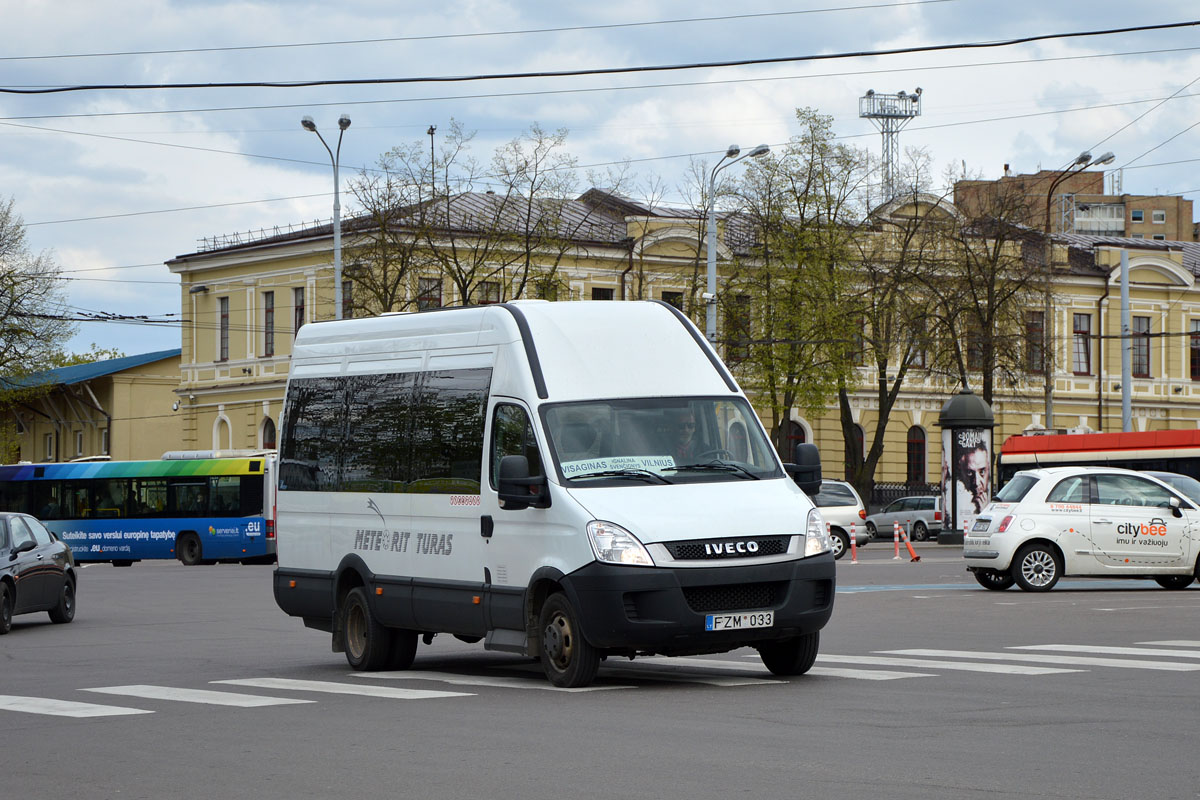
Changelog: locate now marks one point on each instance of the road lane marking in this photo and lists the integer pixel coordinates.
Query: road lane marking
(1120, 663)
(330, 687)
(1176, 643)
(1005, 669)
(490, 682)
(205, 696)
(63, 708)
(1115, 651)
(865, 674)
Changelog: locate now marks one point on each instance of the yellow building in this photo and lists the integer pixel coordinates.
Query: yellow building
(245, 299)
(124, 408)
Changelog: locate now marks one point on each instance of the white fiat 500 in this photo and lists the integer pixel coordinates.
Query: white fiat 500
(1084, 521)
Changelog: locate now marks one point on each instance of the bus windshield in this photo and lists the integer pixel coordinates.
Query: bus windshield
(659, 440)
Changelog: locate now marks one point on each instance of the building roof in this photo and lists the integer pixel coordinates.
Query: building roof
(1190, 250)
(79, 373)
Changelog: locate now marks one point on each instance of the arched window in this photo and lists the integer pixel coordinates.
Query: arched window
(795, 434)
(916, 455)
(222, 436)
(267, 431)
(739, 443)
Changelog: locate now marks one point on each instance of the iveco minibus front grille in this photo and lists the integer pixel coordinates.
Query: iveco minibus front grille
(710, 549)
(735, 597)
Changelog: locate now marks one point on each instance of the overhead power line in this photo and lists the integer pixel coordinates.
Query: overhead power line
(601, 70)
(478, 34)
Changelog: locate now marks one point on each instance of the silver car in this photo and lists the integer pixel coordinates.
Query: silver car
(842, 507)
(919, 517)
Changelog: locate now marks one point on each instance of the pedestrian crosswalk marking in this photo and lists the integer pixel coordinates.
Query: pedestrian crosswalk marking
(487, 681)
(206, 696)
(1175, 643)
(865, 674)
(1120, 663)
(330, 687)
(960, 666)
(63, 708)
(1116, 651)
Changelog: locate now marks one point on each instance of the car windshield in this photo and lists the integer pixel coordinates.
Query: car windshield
(649, 441)
(1015, 489)
(1188, 486)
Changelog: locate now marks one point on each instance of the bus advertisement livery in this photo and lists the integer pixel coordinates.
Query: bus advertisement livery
(194, 509)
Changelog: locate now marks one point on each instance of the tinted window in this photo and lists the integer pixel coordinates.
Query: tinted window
(446, 441)
(3, 536)
(1015, 489)
(512, 435)
(926, 504)
(894, 507)
(834, 494)
(313, 429)
(1070, 490)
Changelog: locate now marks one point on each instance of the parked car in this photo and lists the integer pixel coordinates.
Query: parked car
(37, 571)
(841, 506)
(919, 517)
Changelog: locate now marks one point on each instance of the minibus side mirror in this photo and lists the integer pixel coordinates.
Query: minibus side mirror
(806, 472)
(517, 489)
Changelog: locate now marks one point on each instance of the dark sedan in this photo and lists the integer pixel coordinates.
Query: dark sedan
(37, 571)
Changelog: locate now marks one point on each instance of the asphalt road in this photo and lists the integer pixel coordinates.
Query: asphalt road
(1000, 694)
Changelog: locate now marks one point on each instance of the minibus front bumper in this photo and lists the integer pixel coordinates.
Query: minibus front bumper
(664, 610)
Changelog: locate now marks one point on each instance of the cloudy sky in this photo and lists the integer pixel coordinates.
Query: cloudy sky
(115, 182)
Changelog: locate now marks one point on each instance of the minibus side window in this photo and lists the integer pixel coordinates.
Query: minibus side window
(512, 435)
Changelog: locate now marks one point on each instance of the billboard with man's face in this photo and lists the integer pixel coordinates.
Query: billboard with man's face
(966, 474)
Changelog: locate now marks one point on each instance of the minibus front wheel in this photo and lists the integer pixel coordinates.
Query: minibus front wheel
(567, 658)
(791, 656)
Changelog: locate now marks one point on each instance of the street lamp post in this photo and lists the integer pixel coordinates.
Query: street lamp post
(710, 296)
(1081, 162)
(334, 157)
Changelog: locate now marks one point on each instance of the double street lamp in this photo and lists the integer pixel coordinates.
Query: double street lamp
(334, 157)
(730, 158)
(1081, 162)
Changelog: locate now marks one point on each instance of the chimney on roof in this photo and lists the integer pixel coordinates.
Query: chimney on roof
(1007, 172)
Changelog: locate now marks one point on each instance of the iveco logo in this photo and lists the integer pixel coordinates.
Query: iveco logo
(729, 548)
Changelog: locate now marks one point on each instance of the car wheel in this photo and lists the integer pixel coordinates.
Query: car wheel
(65, 610)
(791, 656)
(872, 534)
(568, 660)
(368, 644)
(841, 542)
(920, 532)
(1036, 568)
(1174, 581)
(188, 549)
(6, 608)
(993, 579)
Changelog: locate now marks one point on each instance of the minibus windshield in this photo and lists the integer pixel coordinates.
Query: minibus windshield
(648, 441)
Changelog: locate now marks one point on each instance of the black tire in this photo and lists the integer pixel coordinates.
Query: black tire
(1174, 581)
(568, 660)
(994, 579)
(404, 649)
(1036, 568)
(65, 610)
(368, 644)
(6, 609)
(188, 549)
(872, 534)
(791, 656)
(841, 542)
(920, 532)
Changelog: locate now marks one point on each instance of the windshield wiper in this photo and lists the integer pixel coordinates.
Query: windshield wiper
(636, 474)
(721, 466)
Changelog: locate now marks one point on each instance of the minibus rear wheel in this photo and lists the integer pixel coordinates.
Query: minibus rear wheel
(791, 656)
(368, 644)
(568, 660)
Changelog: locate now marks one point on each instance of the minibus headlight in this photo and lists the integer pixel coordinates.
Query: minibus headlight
(816, 535)
(612, 544)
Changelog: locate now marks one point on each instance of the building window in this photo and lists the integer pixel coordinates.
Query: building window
(1137, 215)
(974, 350)
(1081, 345)
(488, 293)
(1139, 236)
(599, 293)
(673, 299)
(298, 306)
(1160, 237)
(1158, 217)
(916, 455)
(223, 306)
(48, 447)
(1141, 347)
(1194, 349)
(429, 293)
(1035, 341)
(268, 323)
(104, 442)
(347, 299)
(920, 354)
(268, 434)
(737, 329)
(78, 443)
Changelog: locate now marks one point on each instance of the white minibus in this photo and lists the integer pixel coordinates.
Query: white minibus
(569, 481)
